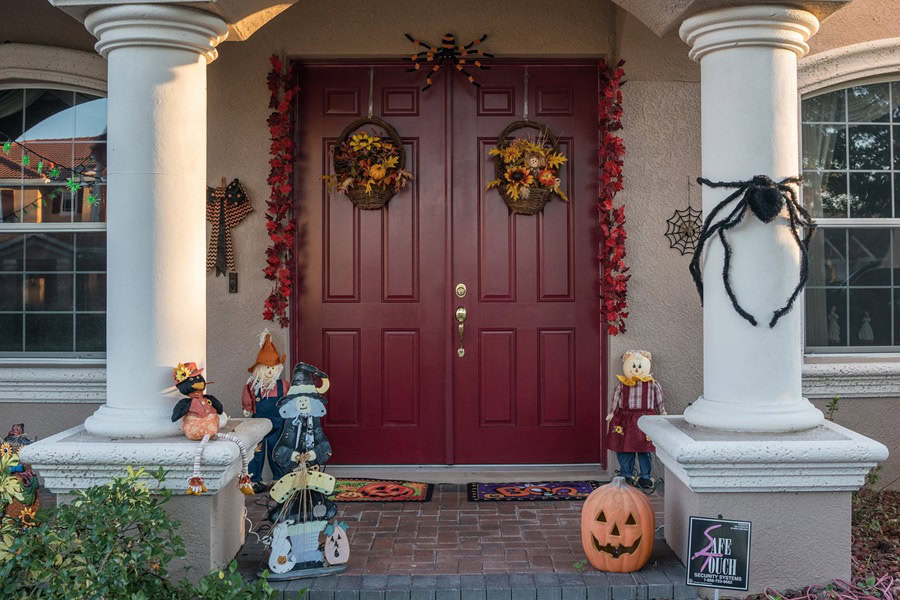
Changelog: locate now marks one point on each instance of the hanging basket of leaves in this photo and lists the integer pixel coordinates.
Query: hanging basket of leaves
(368, 166)
(527, 168)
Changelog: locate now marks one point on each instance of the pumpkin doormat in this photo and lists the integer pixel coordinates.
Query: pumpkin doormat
(381, 490)
(547, 490)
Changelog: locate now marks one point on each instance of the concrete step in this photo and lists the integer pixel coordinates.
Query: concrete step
(666, 581)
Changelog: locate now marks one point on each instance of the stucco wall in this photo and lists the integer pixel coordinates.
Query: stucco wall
(822, 517)
(860, 21)
(44, 419)
(879, 419)
(662, 139)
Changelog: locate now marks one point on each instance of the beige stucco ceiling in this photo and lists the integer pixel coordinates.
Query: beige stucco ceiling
(244, 17)
(665, 16)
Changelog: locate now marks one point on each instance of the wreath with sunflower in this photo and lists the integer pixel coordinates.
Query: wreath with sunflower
(527, 168)
(368, 167)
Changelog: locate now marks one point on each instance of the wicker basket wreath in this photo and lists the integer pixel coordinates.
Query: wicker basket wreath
(369, 168)
(527, 169)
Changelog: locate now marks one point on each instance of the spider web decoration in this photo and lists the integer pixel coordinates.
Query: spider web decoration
(683, 229)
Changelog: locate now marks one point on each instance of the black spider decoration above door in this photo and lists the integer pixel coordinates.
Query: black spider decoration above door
(450, 51)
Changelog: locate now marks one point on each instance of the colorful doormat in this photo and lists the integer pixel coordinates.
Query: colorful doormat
(381, 490)
(548, 490)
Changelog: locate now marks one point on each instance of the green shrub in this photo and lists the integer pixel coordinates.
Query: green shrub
(112, 542)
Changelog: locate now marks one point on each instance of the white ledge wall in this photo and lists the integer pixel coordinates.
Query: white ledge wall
(851, 378)
(829, 458)
(48, 384)
(75, 460)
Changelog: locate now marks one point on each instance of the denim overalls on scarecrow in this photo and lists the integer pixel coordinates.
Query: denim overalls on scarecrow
(266, 409)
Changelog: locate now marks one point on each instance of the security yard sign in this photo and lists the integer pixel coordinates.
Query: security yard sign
(718, 553)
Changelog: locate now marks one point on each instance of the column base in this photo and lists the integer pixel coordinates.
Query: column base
(732, 416)
(212, 524)
(112, 422)
(795, 488)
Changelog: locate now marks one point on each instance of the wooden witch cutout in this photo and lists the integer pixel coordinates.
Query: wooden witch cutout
(226, 206)
(305, 512)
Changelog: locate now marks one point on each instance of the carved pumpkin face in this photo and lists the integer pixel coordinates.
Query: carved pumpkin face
(617, 528)
(337, 546)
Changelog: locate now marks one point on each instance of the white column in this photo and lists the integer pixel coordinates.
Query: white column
(748, 63)
(156, 274)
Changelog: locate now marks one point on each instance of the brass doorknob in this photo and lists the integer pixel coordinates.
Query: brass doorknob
(461, 319)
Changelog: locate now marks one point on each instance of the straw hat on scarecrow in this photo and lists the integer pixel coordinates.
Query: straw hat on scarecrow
(268, 355)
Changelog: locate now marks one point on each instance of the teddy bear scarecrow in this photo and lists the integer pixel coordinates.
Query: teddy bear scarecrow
(637, 394)
(259, 399)
(304, 510)
(201, 417)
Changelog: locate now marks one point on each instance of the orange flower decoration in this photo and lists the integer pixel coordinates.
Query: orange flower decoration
(547, 178)
(519, 176)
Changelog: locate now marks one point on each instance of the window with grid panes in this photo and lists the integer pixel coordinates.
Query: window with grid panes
(851, 169)
(52, 239)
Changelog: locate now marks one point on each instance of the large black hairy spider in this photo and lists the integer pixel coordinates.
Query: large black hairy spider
(765, 198)
(449, 51)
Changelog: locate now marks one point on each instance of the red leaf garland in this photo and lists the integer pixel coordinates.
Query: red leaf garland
(280, 223)
(614, 274)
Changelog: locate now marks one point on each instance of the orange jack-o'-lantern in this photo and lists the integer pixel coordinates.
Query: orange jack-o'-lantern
(617, 527)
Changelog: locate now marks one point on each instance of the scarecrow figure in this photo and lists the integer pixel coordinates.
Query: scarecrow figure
(636, 394)
(16, 435)
(304, 511)
(226, 206)
(260, 397)
(202, 416)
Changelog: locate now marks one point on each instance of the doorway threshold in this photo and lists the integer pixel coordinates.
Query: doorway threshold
(498, 473)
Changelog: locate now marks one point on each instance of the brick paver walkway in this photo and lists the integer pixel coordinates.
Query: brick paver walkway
(451, 535)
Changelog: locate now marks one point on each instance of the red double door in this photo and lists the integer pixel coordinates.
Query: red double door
(378, 305)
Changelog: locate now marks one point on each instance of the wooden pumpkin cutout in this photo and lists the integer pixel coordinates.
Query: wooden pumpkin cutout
(337, 546)
(617, 528)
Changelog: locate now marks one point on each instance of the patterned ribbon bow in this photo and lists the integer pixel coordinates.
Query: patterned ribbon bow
(226, 206)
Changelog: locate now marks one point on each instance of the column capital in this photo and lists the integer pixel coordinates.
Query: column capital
(754, 25)
(156, 25)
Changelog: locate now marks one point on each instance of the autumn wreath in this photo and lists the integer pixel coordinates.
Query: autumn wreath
(368, 167)
(527, 168)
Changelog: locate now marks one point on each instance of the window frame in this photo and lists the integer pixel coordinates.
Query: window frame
(823, 355)
(55, 358)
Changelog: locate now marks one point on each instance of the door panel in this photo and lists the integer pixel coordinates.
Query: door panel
(530, 387)
(377, 305)
(370, 310)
